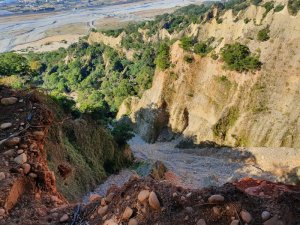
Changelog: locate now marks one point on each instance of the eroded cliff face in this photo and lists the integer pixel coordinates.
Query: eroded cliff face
(205, 101)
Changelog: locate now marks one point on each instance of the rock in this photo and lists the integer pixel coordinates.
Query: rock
(216, 199)
(189, 195)
(33, 175)
(5, 125)
(201, 222)
(153, 201)
(110, 222)
(26, 168)
(38, 135)
(2, 176)
(127, 213)
(143, 195)
(273, 221)
(103, 202)
(94, 197)
(265, 215)
(64, 218)
(9, 101)
(20, 151)
(109, 197)
(189, 209)
(102, 210)
(246, 216)
(9, 152)
(13, 141)
(174, 195)
(235, 222)
(20, 159)
(2, 212)
(133, 222)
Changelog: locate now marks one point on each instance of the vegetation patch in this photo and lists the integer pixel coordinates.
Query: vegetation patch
(268, 6)
(293, 7)
(188, 58)
(263, 35)
(239, 57)
(163, 60)
(279, 8)
(225, 123)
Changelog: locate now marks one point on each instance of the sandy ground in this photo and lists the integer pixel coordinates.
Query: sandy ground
(16, 32)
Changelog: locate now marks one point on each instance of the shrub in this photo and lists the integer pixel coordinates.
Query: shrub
(247, 20)
(238, 57)
(12, 63)
(268, 6)
(256, 2)
(163, 57)
(263, 35)
(202, 48)
(294, 7)
(122, 133)
(279, 8)
(186, 43)
(188, 58)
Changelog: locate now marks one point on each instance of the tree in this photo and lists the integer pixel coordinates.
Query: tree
(122, 133)
(12, 63)
(187, 43)
(163, 56)
(263, 35)
(238, 57)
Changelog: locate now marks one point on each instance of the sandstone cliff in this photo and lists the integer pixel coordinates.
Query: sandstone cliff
(207, 102)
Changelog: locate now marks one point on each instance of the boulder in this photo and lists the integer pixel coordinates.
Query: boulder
(2, 212)
(216, 199)
(143, 195)
(153, 201)
(13, 141)
(201, 222)
(265, 215)
(5, 125)
(246, 216)
(26, 168)
(133, 222)
(9, 101)
(21, 159)
(64, 218)
(127, 213)
(273, 221)
(235, 222)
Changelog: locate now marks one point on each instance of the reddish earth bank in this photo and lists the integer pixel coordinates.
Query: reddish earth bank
(28, 192)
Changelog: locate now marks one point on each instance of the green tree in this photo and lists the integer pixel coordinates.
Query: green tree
(263, 35)
(13, 63)
(163, 56)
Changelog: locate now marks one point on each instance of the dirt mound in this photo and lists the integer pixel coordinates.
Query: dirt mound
(27, 187)
(176, 205)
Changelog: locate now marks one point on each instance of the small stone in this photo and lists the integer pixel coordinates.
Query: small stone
(186, 218)
(2, 176)
(246, 216)
(235, 222)
(189, 195)
(32, 175)
(9, 152)
(273, 221)
(175, 195)
(26, 168)
(55, 215)
(127, 213)
(133, 222)
(20, 159)
(102, 210)
(13, 141)
(201, 222)
(9, 101)
(109, 197)
(216, 199)
(216, 210)
(189, 209)
(94, 197)
(110, 222)
(265, 215)
(143, 195)
(153, 201)
(20, 151)
(2, 212)
(5, 125)
(64, 218)
(38, 135)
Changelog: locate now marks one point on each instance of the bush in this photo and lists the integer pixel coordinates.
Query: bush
(188, 58)
(122, 133)
(294, 6)
(186, 43)
(268, 6)
(163, 57)
(202, 48)
(279, 8)
(256, 2)
(263, 35)
(13, 64)
(238, 57)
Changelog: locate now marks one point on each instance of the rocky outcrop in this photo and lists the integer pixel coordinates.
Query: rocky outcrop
(209, 103)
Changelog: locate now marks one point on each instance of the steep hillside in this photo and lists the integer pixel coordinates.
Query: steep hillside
(203, 99)
(48, 158)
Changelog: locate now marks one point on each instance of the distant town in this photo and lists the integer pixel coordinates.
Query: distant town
(32, 6)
